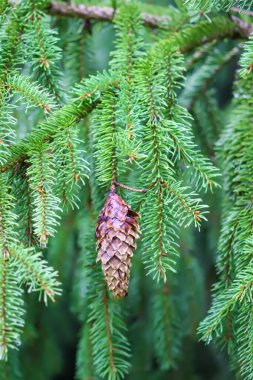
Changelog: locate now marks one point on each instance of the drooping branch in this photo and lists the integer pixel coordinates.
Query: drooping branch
(89, 12)
(65, 116)
(190, 39)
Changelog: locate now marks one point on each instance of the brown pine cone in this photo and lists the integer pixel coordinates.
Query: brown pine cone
(116, 232)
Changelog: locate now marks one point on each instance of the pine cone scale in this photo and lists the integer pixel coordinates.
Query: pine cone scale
(116, 232)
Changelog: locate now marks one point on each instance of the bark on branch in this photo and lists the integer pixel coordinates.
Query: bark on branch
(89, 12)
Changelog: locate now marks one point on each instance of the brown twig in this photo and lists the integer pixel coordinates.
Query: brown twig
(89, 12)
(128, 188)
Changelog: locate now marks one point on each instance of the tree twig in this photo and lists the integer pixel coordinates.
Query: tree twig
(115, 183)
(89, 12)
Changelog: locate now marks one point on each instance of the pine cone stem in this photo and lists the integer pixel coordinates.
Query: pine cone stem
(129, 188)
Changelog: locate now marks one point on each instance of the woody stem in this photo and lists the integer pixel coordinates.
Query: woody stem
(128, 188)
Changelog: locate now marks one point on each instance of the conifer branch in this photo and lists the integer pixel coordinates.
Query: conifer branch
(104, 139)
(181, 201)
(103, 316)
(34, 272)
(11, 34)
(10, 58)
(137, 134)
(20, 183)
(89, 12)
(129, 43)
(42, 47)
(190, 39)
(34, 93)
(87, 97)
(107, 333)
(232, 295)
(46, 204)
(158, 157)
(218, 5)
(11, 308)
(107, 14)
(239, 291)
(7, 217)
(166, 330)
(70, 158)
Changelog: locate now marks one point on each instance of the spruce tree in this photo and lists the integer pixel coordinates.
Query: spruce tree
(116, 148)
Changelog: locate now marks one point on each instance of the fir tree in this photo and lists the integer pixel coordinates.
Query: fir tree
(148, 129)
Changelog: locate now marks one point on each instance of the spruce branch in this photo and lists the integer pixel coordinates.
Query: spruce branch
(10, 58)
(107, 14)
(69, 157)
(42, 48)
(244, 334)
(164, 121)
(7, 217)
(110, 347)
(23, 197)
(89, 12)
(33, 271)
(41, 182)
(239, 291)
(104, 317)
(34, 93)
(129, 43)
(192, 37)
(10, 51)
(181, 200)
(209, 5)
(11, 307)
(7, 133)
(165, 324)
(87, 96)
(138, 134)
(232, 298)
(104, 131)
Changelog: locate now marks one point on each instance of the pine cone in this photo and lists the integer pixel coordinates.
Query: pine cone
(116, 232)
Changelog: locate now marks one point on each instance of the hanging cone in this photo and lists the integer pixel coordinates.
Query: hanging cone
(116, 232)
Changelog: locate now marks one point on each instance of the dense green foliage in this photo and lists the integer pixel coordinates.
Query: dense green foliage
(132, 99)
